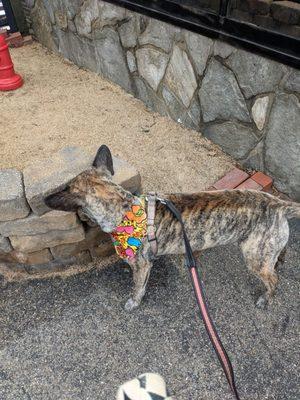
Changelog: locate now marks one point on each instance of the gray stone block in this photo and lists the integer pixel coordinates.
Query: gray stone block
(259, 111)
(53, 173)
(61, 19)
(105, 249)
(220, 95)
(5, 246)
(111, 58)
(79, 50)
(200, 47)
(49, 7)
(255, 74)
(126, 175)
(152, 64)
(29, 244)
(94, 237)
(34, 225)
(41, 23)
(111, 14)
(234, 138)
(72, 7)
(192, 117)
(89, 12)
(39, 257)
(8, 258)
(223, 49)
(177, 111)
(72, 26)
(159, 34)
(59, 265)
(180, 76)
(143, 91)
(13, 204)
(131, 61)
(128, 33)
(175, 107)
(81, 258)
(292, 82)
(255, 158)
(283, 144)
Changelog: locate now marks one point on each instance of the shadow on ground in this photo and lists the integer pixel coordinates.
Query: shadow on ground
(71, 339)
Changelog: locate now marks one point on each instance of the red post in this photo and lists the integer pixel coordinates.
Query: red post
(9, 80)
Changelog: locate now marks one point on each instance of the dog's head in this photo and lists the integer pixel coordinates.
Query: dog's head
(93, 193)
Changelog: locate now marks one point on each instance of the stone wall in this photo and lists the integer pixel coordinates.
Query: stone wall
(33, 237)
(246, 103)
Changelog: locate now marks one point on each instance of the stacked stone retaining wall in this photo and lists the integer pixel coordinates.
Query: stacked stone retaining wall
(33, 237)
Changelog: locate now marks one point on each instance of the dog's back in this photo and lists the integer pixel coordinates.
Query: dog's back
(220, 217)
(256, 221)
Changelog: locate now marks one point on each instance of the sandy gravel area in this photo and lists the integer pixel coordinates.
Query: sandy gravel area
(62, 105)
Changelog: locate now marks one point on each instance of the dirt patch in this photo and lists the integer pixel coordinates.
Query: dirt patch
(62, 105)
(15, 274)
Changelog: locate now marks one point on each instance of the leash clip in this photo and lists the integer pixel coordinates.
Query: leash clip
(162, 201)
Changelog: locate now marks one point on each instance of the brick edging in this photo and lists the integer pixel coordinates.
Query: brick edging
(16, 39)
(239, 179)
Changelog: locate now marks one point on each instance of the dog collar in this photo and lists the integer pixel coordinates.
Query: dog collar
(128, 236)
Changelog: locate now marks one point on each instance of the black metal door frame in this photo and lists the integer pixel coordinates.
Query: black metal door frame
(276, 45)
(9, 16)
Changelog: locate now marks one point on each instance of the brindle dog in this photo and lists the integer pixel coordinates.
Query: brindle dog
(256, 221)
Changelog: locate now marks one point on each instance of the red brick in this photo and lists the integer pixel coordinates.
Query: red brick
(14, 36)
(231, 180)
(263, 180)
(249, 184)
(3, 32)
(27, 39)
(14, 39)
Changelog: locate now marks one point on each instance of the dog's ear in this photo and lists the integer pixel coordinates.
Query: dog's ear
(104, 159)
(64, 201)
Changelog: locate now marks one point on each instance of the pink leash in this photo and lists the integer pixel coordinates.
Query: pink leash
(199, 292)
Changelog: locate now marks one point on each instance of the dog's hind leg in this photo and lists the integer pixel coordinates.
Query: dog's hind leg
(261, 252)
(141, 272)
(281, 257)
(269, 277)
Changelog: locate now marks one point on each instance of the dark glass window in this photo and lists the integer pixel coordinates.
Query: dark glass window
(7, 20)
(278, 16)
(200, 5)
(268, 26)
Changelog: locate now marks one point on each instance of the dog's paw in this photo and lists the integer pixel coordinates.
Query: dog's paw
(131, 304)
(262, 302)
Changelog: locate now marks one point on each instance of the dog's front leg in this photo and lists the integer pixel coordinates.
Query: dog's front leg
(141, 271)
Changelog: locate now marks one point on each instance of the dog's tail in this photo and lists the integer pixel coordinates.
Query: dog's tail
(291, 209)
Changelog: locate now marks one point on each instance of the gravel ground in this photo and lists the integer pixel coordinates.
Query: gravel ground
(71, 339)
(62, 105)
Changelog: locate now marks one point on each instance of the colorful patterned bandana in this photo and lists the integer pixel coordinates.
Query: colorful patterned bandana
(128, 236)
